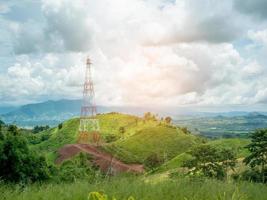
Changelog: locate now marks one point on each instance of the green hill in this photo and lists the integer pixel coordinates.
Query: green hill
(111, 124)
(132, 139)
(236, 144)
(166, 141)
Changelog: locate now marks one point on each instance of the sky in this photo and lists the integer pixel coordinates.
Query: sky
(144, 52)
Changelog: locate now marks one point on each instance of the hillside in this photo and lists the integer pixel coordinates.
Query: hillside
(235, 144)
(164, 141)
(138, 140)
(49, 141)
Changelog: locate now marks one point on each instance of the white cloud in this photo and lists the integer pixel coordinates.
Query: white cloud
(144, 52)
(258, 36)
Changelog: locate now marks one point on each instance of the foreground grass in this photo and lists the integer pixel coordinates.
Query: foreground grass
(140, 189)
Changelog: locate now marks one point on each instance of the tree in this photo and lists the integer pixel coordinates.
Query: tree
(153, 161)
(258, 151)
(168, 120)
(79, 167)
(210, 161)
(147, 116)
(1, 132)
(18, 163)
(185, 130)
(2, 123)
(60, 126)
(38, 129)
(13, 129)
(122, 131)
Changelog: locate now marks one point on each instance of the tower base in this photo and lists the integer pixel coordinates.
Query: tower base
(89, 137)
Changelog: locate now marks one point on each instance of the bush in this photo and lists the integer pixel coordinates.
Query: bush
(153, 161)
(210, 161)
(18, 163)
(258, 151)
(111, 138)
(254, 175)
(38, 129)
(60, 126)
(1, 132)
(78, 167)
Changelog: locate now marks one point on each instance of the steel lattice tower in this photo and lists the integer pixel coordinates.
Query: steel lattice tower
(89, 124)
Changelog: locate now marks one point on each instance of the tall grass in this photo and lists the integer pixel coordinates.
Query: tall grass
(140, 189)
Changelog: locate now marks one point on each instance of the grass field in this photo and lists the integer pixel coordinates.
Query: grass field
(165, 141)
(141, 189)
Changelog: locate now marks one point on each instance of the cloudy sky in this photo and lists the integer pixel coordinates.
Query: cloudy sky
(144, 52)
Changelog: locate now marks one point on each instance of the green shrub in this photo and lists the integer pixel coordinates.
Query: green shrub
(111, 138)
(153, 161)
(79, 167)
(18, 163)
(254, 175)
(258, 153)
(210, 161)
(60, 126)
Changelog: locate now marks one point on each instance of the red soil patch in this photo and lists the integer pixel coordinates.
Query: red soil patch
(106, 162)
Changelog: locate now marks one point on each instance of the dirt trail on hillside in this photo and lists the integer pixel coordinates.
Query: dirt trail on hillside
(106, 162)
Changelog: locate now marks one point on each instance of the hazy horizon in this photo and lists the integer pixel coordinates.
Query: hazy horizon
(184, 109)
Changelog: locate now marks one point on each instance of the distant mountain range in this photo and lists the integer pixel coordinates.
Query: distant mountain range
(45, 113)
(54, 112)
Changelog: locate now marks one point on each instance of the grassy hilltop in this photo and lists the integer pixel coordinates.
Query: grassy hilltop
(127, 137)
(131, 139)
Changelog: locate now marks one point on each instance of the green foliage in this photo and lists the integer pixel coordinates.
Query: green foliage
(49, 141)
(185, 130)
(148, 116)
(168, 120)
(153, 161)
(60, 126)
(176, 162)
(258, 152)
(38, 129)
(166, 142)
(254, 175)
(122, 130)
(12, 129)
(235, 144)
(1, 132)
(111, 138)
(141, 188)
(18, 163)
(56, 139)
(77, 168)
(1, 122)
(210, 161)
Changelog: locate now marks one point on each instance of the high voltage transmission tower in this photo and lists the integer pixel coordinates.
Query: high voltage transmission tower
(89, 124)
